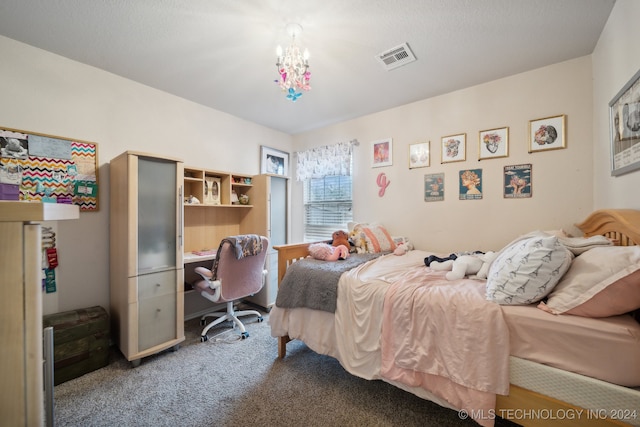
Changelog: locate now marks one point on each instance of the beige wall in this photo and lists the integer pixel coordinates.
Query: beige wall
(46, 93)
(561, 178)
(615, 60)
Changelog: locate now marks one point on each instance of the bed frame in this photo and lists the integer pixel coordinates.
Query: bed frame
(620, 225)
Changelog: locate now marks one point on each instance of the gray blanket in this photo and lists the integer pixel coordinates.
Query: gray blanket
(313, 283)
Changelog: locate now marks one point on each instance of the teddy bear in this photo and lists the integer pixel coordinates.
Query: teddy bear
(341, 237)
(327, 252)
(466, 265)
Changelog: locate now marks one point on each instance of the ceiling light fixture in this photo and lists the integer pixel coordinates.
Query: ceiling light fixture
(293, 67)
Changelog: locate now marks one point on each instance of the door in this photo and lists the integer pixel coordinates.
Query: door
(157, 210)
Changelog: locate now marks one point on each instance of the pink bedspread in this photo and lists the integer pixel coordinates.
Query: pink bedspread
(445, 337)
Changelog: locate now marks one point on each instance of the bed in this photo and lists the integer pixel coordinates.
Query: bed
(521, 378)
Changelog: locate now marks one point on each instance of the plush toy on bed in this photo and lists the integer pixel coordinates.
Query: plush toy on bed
(402, 246)
(341, 237)
(327, 252)
(466, 265)
(359, 242)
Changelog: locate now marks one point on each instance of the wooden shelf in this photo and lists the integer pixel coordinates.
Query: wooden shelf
(201, 205)
(197, 182)
(206, 224)
(37, 211)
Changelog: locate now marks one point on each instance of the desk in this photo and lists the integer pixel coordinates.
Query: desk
(194, 304)
(191, 261)
(21, 393)
(190, 257)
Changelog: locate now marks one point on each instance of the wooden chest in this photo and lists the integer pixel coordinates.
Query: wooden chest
(80, 341)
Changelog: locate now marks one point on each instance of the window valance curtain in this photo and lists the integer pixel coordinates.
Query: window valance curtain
(324, 161)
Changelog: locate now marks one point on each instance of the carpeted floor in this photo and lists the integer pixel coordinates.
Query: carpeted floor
(230, 382)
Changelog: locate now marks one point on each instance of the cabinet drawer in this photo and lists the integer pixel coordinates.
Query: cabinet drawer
(156, 321)
(156, 284)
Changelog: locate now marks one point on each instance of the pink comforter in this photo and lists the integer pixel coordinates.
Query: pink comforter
(444, 336)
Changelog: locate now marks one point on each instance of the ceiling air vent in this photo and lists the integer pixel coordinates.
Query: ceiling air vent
(396, 57)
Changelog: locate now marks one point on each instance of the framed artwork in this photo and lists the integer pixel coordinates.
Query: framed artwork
(274, 161)
(547, 134)
(382, 153)
(624, 118)
(493, 143)
(419, 155)
(454, 148)
(434, 187)
(48, 168)
(211, 190)
(470, 184)
(517, 181)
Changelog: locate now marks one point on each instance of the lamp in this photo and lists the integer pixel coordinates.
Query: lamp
(293, 67)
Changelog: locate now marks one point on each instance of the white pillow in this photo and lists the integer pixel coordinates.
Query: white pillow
(527, 270)
(602, 282)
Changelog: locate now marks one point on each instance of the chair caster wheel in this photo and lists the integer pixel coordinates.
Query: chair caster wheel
(244, 335)
(203, 322)
(260, 319)
(204, 338)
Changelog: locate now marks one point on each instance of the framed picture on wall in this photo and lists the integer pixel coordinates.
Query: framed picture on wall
(547, 134)
(493, 143)
(419, 155)
(470, 184)
(624, 118)
(434, 187)
(274, 161)
(454, 148)
(517, 181)
(382, 153)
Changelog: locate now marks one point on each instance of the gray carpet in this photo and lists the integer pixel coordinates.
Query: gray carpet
(230, 382)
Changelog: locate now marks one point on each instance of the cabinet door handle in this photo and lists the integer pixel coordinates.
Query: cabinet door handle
(180, 217)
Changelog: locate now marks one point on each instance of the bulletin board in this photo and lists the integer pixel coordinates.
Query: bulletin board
(49, 168)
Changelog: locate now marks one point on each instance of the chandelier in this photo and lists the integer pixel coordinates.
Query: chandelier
(293, 67)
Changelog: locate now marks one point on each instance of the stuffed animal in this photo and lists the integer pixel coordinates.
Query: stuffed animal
(403, 247)
(340, 238)
(466, 265)
(357, 236)
(327, 252)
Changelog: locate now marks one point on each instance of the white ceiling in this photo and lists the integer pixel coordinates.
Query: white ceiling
(221, 53)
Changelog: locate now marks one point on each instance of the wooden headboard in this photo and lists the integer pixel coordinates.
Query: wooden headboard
(620, 225)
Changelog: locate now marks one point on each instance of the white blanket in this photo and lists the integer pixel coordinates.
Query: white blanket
(361, 294)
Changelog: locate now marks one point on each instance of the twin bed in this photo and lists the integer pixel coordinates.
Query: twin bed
(397, 320)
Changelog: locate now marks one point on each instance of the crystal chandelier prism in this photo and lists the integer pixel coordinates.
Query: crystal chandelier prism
(293, 67)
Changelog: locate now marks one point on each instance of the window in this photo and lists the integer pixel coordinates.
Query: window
(327, 206)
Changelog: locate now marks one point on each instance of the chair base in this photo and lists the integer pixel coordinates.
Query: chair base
(231, 315)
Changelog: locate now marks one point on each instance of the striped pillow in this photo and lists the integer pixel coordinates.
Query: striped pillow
(373, 238)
